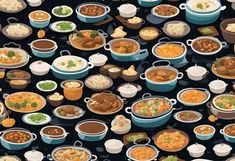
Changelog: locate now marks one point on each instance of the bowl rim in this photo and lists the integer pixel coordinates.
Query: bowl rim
(39, 21)
(165, 17)
(62, 16)
(214, 130)
(53, 138)
(44, 81)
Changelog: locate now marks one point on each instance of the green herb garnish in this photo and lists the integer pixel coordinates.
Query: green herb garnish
(71, 64)
(37, 118)
(170, 158)
(10, 53)
(64, 26)
(207, 31)
(62, 11)
(34, 104)
(47, 85)
(94, 33)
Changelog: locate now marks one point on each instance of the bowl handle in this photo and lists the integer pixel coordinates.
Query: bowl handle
(208, 104)
(1, 132)
(93, 157)
(146, 95)
(173, 101)
(90, 65)
(164, 40)
(224, 44)
(182, 6)
(64, 51)
(189, 42)
(103, 33)
(107, 9)
(11, 43)
(49, 157)
(107, 47)
(11, 18)
(160, 61)
(5, 95)
(142, 76)
(128, 110)
(222, 8)
(34, 136)
(77, 143)
(142, 55)
(86, 99)
(180, 75)
(221, 131)
(204, 76)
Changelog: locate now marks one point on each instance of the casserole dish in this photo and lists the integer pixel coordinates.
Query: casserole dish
(196, 73)
(84, 17)
(155, 119)
(127, 10)
(128, 54)
(20, 142)
(169, 80)
(228, 132)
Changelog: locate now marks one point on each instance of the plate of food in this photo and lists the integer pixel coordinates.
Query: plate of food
(88, 40)
(171, 140)
(188, 116)
(98, 82)
(165, 11)
(224, 67)
(36, 118)
(12, 6)
(46, 85)
(63, 26)
(176, 29)
(62, 11)
(68, 112)
(24, 102)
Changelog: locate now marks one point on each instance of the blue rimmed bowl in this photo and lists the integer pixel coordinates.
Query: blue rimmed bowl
(39, 23)
(72, 75)
(163, 86)
(204, 136)
(41, 51)
(227, 136)
(53, 139)
(173, 60)
(92, 19)
(138, 55)
(89, 124)
(149, 3)
(16, 146)
(179, 95)
(201, 18)
(150, 121)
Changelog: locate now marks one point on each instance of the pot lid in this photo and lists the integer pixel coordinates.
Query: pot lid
(222, 147)
(195, 148)
(33, 155)
(127, 88)
(40, 65)
(196, 70)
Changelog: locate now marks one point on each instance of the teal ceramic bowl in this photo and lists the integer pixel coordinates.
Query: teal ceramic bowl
(173, 60)
(227, 137)
(91, 136)
(92, 19)
(149, 3)
(16, 146)
(39, 23)
(204, 136)
(72, 75)
(199, 18)
(53, 139)
(164, 86)
(138, 55)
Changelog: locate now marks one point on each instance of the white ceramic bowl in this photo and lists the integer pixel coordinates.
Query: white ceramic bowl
(196, 73)
(33, 155)
(122, 130)
(39, 68)
(98, 59)
(222, 149)
(35, 3)
(217, 86)
(127, 10)
(113, 146)
(128, 90)
(196, 150)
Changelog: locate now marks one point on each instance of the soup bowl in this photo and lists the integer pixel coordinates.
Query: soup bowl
(92, 19)
(72, 93)
(227, 136)
(173, 60)
(53, 139)
(149, 3)
(201, 18)
(153, 121)
(88, 132)
(16, 146)
(38, 48)
(39, 23)
(204, 136)
(137, 55)
(164, 86)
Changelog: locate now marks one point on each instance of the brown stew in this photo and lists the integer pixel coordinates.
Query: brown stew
(124, 46)
(230, 130)
(43, 45)
(17, 136)
(92, 10)
(18, 74)
(91, 127)
(161, 75)
(53, 131)
(206, 45)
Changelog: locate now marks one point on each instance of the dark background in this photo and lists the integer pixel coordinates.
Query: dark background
(97, 148)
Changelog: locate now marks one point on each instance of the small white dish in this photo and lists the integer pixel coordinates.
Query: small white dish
(165, 17)
(113, 146)
(196, 73)
(127, 10)
(33, 155)
(217, 86)
(222, 149)
(27, 121)
(98, 59)
(196, 150)
(39, 68)
(62, 16)
(176, 116)
(35, 3)
(128, 90)
(53, 27)
(45, 81)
